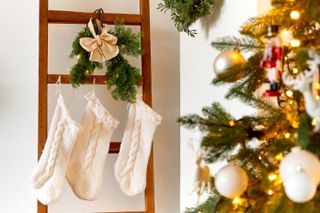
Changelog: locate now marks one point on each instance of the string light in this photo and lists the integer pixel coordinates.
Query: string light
(269, 192)
(289, 93)
(78, 56)
(231, 123)
(260, 158)
(272, 177)
(295, 14)
(279, 156)
(237, 201)
(287, 135)
(318, 97)
(295, 124)
(295, 70)
(295, 43)
(313, 122)
(286, 37)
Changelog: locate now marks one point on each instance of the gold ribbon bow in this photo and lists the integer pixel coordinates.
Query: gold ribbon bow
(102, 47)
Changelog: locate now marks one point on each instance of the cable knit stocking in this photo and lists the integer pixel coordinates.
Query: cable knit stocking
(49, 175)
(131, 165)
(86, 167)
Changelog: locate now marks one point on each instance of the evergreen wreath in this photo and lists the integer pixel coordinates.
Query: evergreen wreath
(186, 12)
(122, 78)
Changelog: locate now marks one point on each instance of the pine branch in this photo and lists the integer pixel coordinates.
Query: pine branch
(186, 12)
(128, 42)
(123, 79)
(232, 42)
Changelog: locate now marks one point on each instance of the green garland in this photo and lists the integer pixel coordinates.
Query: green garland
(186, 12)
(123, 78)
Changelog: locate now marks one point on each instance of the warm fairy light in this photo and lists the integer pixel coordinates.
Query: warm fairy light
(318, 97)
(317, 86)
(289, 93)
(286, 37)
(260, 158)
(295, 124)
(313, 122)
(231, 123)
(78, 56)
(237, 201)
(272, 177)
(291, 102)
(279, 156)
(295, 14)
(287, 135)
(295, 70)
(269, 192)
(295, 43)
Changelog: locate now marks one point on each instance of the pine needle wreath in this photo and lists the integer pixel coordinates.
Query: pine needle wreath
(186, 12)
(123, 78)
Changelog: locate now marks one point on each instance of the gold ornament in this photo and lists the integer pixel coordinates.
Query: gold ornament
(227, 59)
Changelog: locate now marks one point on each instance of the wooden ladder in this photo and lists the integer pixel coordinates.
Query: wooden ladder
(67, 17)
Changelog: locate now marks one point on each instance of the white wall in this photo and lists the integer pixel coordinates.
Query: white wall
(196, 74)
(18, 106)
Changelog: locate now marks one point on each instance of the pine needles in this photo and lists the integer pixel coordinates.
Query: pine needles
(122, 78)
(186, 12)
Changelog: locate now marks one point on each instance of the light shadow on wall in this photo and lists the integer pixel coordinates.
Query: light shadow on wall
(209, 22)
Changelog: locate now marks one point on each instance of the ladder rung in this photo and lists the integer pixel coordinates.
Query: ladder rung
(99, 79)
(70, 17)
(125, 212)
(53, 78)
(114, 147)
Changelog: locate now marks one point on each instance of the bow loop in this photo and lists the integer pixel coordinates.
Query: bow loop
(101, 47)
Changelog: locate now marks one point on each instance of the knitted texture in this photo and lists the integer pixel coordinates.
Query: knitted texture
(49, 174)
(86, 167)
(131, 165)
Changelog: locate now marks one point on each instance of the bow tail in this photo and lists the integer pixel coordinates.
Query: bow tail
(97, 55)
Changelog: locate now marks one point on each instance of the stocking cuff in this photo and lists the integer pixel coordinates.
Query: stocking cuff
(74, 126)
(154, 116)
(102, 114)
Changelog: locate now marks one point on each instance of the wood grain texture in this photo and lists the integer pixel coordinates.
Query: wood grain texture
(43, 89)
(53, 78)
(70, 17)
(147, 96)
(99, 79)
(114, 147)
(124, 212)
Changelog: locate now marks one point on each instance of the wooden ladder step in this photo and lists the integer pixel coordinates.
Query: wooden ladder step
(70, 17)
(114, 147)
(125, 212)
(53, 78)
(99, 79)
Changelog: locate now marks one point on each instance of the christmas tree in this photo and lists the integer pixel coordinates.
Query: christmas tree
(273, 154)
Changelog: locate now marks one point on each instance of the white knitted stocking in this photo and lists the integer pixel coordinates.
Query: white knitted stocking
(49, 175)
(86, 167)
(131, 165)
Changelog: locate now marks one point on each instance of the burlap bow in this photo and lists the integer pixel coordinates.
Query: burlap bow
(102, 47)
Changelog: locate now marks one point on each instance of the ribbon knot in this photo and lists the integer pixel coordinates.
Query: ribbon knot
(101, 47)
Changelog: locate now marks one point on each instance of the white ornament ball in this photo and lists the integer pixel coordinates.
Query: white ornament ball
(300, 159)
(231, 181)
(300, 188)
(227, 59)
